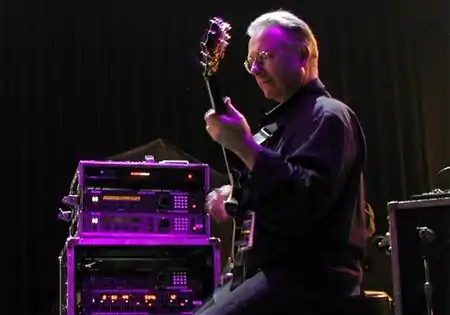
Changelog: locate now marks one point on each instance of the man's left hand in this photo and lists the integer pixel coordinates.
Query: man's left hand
(230, 129)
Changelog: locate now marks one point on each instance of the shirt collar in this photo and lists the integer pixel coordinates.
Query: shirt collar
(281, 110)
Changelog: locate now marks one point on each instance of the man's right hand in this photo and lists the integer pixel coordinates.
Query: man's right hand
(215, 203)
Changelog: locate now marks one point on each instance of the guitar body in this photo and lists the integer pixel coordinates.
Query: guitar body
(244, 231)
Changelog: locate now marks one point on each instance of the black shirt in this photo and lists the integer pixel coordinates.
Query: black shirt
(305, 191)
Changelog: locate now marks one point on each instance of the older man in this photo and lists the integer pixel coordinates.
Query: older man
(304, 183)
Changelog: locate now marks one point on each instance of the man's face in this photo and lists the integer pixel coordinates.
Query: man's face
(275, 63)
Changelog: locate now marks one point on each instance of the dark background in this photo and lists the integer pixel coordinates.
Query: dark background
(89, 79)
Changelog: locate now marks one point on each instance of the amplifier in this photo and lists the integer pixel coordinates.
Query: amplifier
(420, 241)
(141, 198)
(137, 276)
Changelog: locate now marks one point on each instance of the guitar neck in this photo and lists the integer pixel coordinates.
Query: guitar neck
(215, 95)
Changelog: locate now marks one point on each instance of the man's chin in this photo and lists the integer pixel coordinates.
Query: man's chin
(268, 94)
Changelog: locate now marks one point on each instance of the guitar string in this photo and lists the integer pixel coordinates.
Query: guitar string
(233, 220)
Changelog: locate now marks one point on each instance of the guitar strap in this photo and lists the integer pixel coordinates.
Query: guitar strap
(265, 133)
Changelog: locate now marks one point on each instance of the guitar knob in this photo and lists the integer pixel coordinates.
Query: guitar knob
(231, 206)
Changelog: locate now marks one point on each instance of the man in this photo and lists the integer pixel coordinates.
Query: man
(304, 184)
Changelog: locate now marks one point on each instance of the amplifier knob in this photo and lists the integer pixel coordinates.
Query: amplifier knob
(163, 278)
(164, 223)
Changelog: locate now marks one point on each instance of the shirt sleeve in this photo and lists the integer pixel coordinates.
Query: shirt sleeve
(302, 185)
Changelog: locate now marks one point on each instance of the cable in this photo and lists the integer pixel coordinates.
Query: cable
(442, 171)
(445, 182)
(233, 239)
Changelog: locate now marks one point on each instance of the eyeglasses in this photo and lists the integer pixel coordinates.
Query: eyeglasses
(260, 58)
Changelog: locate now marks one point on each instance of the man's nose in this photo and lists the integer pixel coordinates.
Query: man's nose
(256, 69)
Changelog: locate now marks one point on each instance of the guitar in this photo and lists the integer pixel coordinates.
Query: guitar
(213, 48)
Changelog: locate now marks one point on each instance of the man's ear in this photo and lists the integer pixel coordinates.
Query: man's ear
(304, 54)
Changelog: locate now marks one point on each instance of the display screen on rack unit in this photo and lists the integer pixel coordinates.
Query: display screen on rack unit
(138, 177)
(141, 279)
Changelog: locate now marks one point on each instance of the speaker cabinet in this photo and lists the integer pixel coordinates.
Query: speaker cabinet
(420, 240)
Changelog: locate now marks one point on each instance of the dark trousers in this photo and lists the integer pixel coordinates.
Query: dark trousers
(271, 292)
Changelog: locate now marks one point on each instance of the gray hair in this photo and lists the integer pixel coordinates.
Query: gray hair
(289, 22)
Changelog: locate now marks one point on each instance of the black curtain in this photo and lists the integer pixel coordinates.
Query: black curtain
(89, 79)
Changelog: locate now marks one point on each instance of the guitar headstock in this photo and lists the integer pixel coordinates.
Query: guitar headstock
(213, 46)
